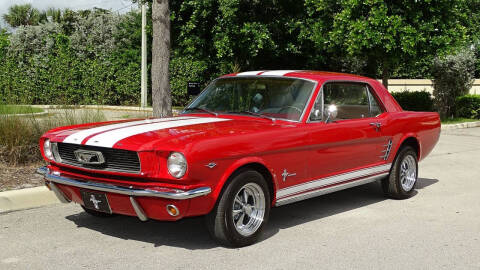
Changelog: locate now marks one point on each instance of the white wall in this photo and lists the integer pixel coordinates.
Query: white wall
(399, 85)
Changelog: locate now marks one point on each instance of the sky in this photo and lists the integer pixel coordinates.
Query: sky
(121, 6)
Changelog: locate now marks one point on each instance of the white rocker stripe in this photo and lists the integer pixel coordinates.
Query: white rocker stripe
(110, 138)
(276, 73)
(78, 137)
(316, 184)
(249, 73)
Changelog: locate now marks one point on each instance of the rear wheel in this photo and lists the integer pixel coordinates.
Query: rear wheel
(241, 211)
(400, 184)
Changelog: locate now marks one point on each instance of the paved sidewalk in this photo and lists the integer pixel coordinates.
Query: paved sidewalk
(439, 228)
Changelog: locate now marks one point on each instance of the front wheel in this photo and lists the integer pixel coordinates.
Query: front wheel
(241, 211)
(403, 176)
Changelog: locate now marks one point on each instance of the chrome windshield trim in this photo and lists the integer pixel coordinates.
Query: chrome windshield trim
(176, 194)
(261, 76)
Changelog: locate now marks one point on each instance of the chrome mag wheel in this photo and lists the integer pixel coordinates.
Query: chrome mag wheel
(408, 172)
(248, 209)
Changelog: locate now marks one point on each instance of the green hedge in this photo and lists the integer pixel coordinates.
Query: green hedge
(414, 100)
(468, 106)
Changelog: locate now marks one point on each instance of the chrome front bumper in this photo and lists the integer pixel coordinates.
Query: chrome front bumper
(52, 178)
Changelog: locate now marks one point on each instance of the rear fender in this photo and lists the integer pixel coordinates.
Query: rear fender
(402, 140)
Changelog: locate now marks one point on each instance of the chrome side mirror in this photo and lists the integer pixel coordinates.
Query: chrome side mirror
(331, 113)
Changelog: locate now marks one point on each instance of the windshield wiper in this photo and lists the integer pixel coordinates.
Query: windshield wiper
(254, 114)
(200, 109)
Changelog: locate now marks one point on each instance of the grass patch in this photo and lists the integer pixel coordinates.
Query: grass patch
(19, 136)
(457, 120)
(18, 109)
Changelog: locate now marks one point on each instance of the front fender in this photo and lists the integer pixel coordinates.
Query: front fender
(238, 164)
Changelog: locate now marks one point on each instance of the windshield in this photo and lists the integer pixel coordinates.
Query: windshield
(279, 98)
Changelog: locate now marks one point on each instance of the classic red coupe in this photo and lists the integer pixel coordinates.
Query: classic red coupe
(248, 142)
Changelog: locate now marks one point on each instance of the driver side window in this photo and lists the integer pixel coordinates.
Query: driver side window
(352, 100)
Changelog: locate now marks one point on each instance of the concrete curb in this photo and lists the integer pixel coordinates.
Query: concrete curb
(26, 198)
(102, 107)
(26, 114)
(461, 125)
(97, 107)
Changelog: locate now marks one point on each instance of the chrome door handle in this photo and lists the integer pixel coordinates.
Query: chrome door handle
(377, 125)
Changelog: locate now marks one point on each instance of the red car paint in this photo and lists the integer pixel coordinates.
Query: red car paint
(316, 150)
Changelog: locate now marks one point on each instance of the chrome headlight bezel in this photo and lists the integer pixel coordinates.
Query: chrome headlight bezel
(177, 164)
(47, 149)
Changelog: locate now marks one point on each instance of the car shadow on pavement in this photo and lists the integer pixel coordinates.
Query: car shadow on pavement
(331, 204)
(191, 233)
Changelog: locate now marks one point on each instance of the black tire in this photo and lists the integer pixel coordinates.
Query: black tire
(220, 221)
(392, 185)
(97, 213)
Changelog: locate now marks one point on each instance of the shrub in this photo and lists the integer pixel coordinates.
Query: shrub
(468, 106)
(414, 100)
(183, 70)
(453, 76)
(93, 63)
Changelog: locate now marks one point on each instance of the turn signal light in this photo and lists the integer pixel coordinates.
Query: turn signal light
(172, 210)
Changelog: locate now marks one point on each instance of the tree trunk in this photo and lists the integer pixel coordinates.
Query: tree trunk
(161, 95)
(385, 75)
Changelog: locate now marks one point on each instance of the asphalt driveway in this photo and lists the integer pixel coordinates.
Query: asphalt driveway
(438, 228)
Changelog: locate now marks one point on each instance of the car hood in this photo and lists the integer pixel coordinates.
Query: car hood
(162, 133)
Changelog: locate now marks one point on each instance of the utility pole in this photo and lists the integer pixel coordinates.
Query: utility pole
(143, 101)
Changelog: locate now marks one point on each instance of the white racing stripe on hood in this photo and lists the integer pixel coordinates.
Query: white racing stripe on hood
(110, 138)
(79, 136)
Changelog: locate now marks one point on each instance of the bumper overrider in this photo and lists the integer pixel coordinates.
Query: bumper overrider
(54, 178)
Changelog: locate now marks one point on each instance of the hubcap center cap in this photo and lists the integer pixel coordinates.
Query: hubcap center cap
(248, 209)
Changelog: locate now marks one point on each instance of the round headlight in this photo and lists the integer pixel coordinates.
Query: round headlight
(176, 164)
(47, 149)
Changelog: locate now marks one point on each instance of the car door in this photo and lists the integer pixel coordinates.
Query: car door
(348, 144)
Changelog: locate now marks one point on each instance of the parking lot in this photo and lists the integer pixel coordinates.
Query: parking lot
(438, 228)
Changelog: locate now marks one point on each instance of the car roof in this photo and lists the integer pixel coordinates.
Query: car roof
(304, 74)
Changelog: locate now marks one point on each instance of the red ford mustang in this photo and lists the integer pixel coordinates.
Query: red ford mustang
(250, 141)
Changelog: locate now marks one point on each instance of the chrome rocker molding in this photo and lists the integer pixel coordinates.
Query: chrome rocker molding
(319, 192)
(53, 178)
(331, 184)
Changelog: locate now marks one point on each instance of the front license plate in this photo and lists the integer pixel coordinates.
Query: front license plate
(96, 201)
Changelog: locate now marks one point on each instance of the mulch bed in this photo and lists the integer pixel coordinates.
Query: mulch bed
(19, 176)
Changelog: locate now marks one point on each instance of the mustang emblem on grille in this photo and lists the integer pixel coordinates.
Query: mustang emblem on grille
(89, 157)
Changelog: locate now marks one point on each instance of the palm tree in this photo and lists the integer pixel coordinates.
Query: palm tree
(23, 15)
(54, 14)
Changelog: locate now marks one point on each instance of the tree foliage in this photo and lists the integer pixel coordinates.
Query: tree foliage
(386, 34)
(93, 56)
(453, 77)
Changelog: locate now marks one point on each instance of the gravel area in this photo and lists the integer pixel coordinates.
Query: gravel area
(18, 177)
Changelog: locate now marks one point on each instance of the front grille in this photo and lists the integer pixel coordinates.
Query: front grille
(116, 160)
